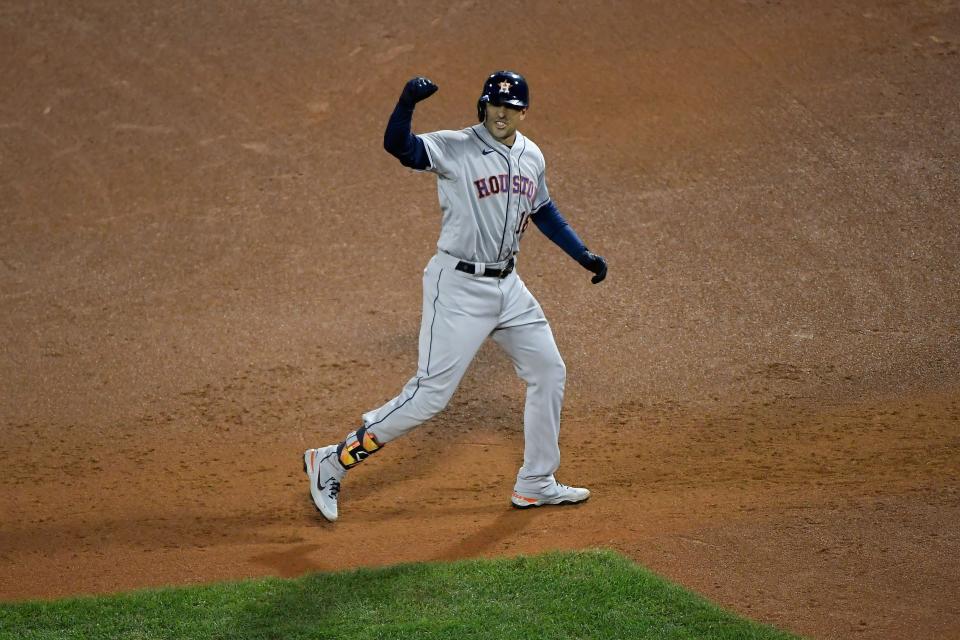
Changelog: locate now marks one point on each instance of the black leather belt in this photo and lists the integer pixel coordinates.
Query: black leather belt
(489, 272)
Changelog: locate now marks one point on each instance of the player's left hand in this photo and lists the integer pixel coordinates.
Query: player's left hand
(597, 264)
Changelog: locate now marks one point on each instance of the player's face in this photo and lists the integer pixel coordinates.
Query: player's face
(502, 122)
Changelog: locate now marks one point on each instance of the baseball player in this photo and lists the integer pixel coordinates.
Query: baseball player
(491, 184)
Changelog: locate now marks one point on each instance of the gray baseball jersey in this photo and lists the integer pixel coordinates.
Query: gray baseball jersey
(487, 191)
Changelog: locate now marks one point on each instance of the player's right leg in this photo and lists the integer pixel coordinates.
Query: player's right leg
(459, 312)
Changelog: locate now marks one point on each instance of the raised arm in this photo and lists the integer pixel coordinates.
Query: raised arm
(398, 139)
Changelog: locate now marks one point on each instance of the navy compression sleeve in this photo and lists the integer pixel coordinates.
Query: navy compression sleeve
(400, 142)
(553, 225)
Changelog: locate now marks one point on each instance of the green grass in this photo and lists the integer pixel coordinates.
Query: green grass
(592, 594)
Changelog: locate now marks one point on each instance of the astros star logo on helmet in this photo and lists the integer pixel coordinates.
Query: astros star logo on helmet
(505, 86)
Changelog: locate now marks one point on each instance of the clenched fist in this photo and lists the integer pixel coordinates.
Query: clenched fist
(417, 89)
(592, 262)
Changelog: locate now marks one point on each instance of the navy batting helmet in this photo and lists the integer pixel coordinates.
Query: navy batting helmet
(504, 88)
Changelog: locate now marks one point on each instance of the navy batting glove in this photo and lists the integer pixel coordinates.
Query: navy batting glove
(417, 89)
(592, 262)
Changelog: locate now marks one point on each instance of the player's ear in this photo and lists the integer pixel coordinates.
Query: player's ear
(523, 113)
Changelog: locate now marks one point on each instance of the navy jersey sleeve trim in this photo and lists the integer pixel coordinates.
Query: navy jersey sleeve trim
(553, 225)
(400, 142)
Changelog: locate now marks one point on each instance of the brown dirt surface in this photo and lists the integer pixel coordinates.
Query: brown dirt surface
(209, 264)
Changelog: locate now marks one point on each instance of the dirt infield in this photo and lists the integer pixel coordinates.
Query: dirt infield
(208, 264)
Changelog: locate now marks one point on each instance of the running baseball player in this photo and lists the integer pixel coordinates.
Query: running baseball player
(491, 183)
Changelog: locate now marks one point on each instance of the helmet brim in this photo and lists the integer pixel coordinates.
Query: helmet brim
(519, 104)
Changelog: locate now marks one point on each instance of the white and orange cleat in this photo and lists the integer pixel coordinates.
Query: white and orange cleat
(325, 473)
(557, 494)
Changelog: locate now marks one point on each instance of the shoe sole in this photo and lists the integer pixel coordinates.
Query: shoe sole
(306, 470)
(534, 505)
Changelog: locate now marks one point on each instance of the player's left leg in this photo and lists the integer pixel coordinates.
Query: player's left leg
(526, 337)
(537, 361)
